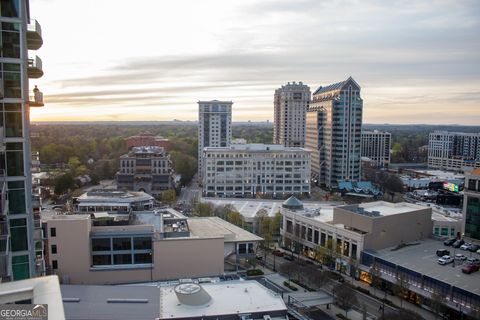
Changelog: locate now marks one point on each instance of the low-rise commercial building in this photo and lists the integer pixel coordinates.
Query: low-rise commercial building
(209, 300)
(112, 201)
(104, 248)
(147, 139)
(252, 170)
(348, 230)
(146, 169)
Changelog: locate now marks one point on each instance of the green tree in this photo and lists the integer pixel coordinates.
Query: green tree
(63, 183)
(236, 218)
(204, 209)
(277, 223)
(169, 196)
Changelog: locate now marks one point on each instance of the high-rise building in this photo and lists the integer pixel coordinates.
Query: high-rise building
(248, 170)
(453, 150)
(376, 146)
(146, 169)
(471, 206)
(19, 34)
(290, 106)
(334, 124)
(214, 126)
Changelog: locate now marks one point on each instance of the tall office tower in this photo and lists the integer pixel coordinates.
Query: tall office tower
(334, 124)
(214, 127)
(18, 258)
(290, 106)
(471, 206)
(376, 146)
(453, 150)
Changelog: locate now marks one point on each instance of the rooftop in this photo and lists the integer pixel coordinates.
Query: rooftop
(333, 87)
(383, 208)
(422, 258)
(257, 147)
(107, 195)
(147, 149)
(227, 298)
(110, 302)
(214, 102)
(248, 208)
(207, 227)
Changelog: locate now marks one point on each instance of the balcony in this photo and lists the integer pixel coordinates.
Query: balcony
(34, 69)
(2, 141)
(37, 99)
(34, 35)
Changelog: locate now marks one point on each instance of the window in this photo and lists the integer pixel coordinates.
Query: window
(142, 243)
(122, 244)
(54, 264)
(10, 8)
(53, 232)
(122, 259)
(54, 249)
(18, 234)
(242, 248)
(143, 258)
(101, 260)
(101, 244)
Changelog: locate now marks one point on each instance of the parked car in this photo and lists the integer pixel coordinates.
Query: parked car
(460, 256)
(445, 260)
(277, 253)
(458, 243)
(478, 251)
(474, 248)
(288, 257)
(469, 268)
(466, 246)
(449, 242)
(442, 252)
(473, 261)
(259, 257)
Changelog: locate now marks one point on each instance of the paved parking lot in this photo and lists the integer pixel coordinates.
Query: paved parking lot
(423, 259)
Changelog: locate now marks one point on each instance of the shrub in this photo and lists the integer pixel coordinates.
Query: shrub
(254, 272)
(363, 290)
(288, 285)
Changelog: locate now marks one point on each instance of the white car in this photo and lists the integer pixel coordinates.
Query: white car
(445, 260)
(460, 256)
(465, 246)
(473, 261)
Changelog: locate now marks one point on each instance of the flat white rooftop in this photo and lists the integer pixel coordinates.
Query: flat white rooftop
(388, 208)
(206, 227)
(257, 147)
(113, 196)
(248, 208)
(227, 298)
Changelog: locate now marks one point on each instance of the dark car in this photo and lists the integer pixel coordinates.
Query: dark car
(450, 241)
(473, 248)
(442, 252)
(287, 257)
(458, 243)
(277, 253)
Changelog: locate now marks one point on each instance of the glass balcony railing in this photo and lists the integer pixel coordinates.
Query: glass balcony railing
(34, 35)
(34, 68)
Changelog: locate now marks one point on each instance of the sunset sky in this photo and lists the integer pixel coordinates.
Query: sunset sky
(416, 61)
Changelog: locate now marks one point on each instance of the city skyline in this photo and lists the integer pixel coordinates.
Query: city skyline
(416, 62)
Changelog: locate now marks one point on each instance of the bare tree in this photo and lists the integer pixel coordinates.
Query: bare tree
(345, 297)
(401, 314)
(437, 302)
(376, 277)
(289, 269)
(400, 287)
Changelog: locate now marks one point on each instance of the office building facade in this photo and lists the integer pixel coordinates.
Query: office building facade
(146, 169)
(453, 150)
(252, 170)
(19, 35)
(214, 127)
(334, 124)
(291, 102)
(471, 206)
(376, 146)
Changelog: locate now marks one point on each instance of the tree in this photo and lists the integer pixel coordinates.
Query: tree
(64, 183)
(234, 217)
(400, 287)
(289, 269)
(204, 209)
(169, 196)
(376, 277)
(263, 223)
(73, 163)
(222, 212)
(345, 297)
(437, 302)
(277, 223)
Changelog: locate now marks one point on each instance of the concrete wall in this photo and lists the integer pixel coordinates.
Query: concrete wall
(173, 258)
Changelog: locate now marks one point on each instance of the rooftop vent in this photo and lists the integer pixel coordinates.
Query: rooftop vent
(192, 294)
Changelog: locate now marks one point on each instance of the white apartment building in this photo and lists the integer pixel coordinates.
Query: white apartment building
(291, 102)
(256, 169)
(376, 146)
(214, 126)
(453, 150)
(334, 124)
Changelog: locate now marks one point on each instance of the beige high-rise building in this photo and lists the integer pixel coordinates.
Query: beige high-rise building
(376, 146)
(333, 132)
(291, 102)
